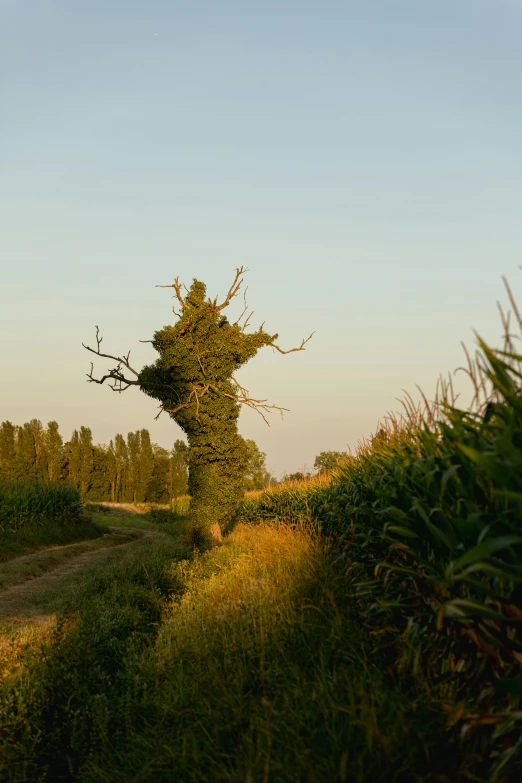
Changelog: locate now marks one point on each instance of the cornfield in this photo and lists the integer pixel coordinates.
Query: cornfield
(34, 504)
(427, 520)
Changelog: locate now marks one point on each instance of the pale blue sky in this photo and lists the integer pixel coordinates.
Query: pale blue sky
(363, 159)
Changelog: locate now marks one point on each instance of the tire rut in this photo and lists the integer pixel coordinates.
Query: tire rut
(13, 600)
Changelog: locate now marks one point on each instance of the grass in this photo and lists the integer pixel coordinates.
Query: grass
(244, 663)
(33, 565)
(179, 507)
(33, 516)
(30, 538)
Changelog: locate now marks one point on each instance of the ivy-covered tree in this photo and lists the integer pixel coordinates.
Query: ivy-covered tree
(194, 381)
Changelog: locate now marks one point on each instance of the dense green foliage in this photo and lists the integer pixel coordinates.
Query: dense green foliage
(126, 471)
(256, 474)
(329, 460)
(427, 519)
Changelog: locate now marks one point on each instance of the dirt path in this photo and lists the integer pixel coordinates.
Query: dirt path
(14, 600)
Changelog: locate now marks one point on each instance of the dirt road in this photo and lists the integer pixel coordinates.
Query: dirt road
(15, 600)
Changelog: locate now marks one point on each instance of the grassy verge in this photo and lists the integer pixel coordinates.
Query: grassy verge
(33, 565)
(246, 663)
(14, 543)
(96, 622)
(33, 516)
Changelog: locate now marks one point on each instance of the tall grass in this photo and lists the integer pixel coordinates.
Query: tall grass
(245, 664)
(427, 519)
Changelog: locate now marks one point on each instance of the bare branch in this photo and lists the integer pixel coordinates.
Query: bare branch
(291, 350)
(233, 290)
(236, 323)
(260, 406)
(120, 359)
(176, 285)
(194, 393)
(115, 375)
(247, 320)
(120, 381)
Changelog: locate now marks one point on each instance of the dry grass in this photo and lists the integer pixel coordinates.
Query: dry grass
(21, 644)
(256, 571)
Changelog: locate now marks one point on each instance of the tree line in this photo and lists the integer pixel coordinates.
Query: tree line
(128, 470)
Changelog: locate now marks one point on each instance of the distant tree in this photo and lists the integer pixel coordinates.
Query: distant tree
(121, 456)
(159, 489)
(40, 464)
(112, 471)
(54, 451)
(328, 460)
(86, 460)
(297, 476)
(99, 488)
(133, 476)
(193, 379)
(256, 473)
(73, 460)
(25, 467)
(146, 466)
(179, 463)
(7, 451)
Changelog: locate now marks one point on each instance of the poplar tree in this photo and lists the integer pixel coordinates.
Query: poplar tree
(86, 460)
(25, 454)
(40, 456)
(179, 468)
(194, 381)
(146, 466)
(133, 474)
(54, 451)
(121, 456)
(7, 451)
(112, 471)
(73, 459)
(159, 488)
